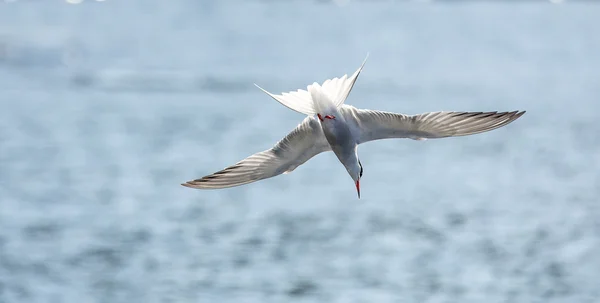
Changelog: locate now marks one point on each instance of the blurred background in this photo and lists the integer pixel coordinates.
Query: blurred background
(107, 106)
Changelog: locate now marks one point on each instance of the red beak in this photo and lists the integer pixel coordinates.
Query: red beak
(358, 188)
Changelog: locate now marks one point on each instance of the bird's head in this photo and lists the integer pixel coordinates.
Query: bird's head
(355, 170)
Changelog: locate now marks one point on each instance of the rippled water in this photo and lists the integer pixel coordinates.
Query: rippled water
(106, 107)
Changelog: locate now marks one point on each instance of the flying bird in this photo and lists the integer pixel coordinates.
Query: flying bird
(331, 125)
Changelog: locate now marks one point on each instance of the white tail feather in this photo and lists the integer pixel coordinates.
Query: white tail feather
(302, 101)
(321, 100)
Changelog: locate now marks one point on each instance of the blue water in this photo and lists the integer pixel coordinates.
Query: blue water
(106, 107)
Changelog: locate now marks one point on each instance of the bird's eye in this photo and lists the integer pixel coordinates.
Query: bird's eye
(361, 170)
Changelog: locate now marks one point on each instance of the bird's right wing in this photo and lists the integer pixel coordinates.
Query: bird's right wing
(375, 125)
(301, 144)
(336, 89)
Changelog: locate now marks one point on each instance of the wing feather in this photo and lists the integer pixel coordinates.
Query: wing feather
(375, 125)
(301, 144)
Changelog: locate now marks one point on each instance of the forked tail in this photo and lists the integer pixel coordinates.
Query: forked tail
(333, 92)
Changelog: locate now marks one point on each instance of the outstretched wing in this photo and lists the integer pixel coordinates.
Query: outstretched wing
(375, 125)
(303, 143)
(337, 89)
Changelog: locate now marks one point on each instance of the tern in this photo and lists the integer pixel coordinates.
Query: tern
(331, 125)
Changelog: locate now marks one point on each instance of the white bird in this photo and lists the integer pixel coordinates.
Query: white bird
(341, 128)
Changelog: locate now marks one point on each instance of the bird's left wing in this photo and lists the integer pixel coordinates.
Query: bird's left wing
(301, 144)
(375, 125)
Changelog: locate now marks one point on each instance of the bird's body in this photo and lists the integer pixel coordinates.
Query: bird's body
(331, 125)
